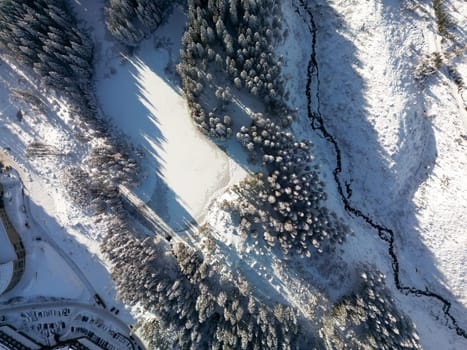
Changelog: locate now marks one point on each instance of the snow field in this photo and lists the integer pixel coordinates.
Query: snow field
(184, 168)
(403, 153)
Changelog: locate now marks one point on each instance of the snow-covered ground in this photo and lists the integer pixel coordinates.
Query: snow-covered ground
(57, 265)
(69, 229)
(404, 156)
(184, 169)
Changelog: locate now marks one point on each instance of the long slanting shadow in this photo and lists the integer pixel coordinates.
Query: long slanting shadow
(163, 200)
(188, 168)
(155, 202)
(185, 170)
(384, 200)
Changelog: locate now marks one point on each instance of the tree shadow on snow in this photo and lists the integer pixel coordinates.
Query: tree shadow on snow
(151, 69)
(380, 182)
(167, 209)
(86, 268)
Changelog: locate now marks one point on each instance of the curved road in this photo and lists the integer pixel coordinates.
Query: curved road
(6, 160)
(45, 237)
(43, 234)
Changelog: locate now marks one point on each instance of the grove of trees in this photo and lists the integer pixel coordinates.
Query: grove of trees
(130, 21)
(284, 203)
(369, 319)
(230, 44)
(43, 35)
(195, 306)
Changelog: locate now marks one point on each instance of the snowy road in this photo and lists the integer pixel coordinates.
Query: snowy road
(40, 233)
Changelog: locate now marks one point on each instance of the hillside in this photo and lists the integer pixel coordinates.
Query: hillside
(241, 174)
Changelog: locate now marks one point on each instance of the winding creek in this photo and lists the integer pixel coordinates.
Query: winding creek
(386, 234)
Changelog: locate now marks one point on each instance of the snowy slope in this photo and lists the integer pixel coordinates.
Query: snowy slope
(72, 230)
(184, 170)
(404, 157)
(403, 141)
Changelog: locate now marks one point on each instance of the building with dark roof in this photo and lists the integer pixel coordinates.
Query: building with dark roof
(13, 340)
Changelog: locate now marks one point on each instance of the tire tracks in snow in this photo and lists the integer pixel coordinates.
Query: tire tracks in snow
(384, 233)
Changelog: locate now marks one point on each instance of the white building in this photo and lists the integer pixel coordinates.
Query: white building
(12, 255)
(7, 258)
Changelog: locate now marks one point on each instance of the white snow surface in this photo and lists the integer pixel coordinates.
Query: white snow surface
(184, 168)
(404, 155)
(403, 142)
(7, 252)
(6, 274)
(404, 146)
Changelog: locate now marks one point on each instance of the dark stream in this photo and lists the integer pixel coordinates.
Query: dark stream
(386, 234)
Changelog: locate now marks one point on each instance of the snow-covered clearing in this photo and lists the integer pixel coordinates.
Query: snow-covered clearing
(46, 273)
(53, 279)
(404, 150)
(184, 168)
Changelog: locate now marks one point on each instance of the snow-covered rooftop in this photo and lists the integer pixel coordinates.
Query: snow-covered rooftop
(7, 252)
